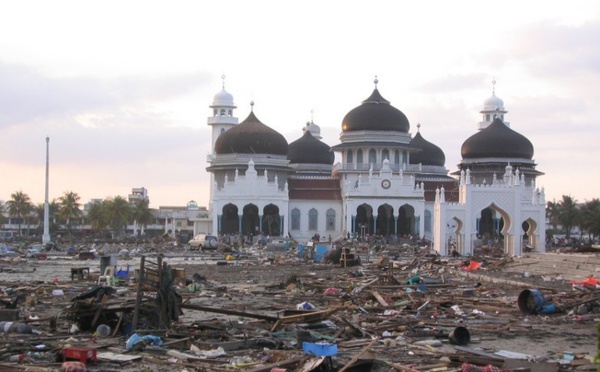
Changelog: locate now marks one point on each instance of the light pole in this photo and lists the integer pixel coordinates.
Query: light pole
(46, 237)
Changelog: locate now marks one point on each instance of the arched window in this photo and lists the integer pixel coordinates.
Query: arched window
(349, 157)
(230, 112)
(222, 112)
(385, 154)
(372, 156)
(397, 157)
(487, 117)
(295, 219)
(427, 221)
(404, 157)
(359, 158)
(330, 224)
(215, 112)
(313, 219)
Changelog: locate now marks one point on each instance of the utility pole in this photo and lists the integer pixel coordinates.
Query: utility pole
(46, 237)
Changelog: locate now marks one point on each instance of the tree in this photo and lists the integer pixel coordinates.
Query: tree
(552, 212)
(590, 218)
(118, 212)
(142, 215)
(97, 216)
(568, 214)
(1, 213)
(69, 208)
(19, 207)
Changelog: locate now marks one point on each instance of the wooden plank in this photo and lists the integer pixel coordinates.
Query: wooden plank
(380, 299)
(218, 310)
(357, 356)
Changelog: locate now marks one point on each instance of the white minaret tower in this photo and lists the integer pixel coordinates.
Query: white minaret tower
(492, 107)
(222, 120)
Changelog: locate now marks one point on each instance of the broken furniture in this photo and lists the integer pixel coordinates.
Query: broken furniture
(108, 275)
(80, 273)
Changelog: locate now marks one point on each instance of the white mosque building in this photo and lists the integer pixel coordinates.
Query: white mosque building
(388, 183)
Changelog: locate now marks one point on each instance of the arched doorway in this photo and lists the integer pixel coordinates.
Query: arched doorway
(529, 238)
(230, 221)
(490, 224)
(406, 220)
(271, 221)
(250, 220)
(385, 220)
(493, 231)
(363, 224)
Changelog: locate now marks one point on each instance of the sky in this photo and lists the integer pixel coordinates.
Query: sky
(123, 88)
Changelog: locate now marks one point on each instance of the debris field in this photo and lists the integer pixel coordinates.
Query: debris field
(258, 309)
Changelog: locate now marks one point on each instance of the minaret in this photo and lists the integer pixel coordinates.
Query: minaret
(46, 236)
(492, 107)
(221, 121)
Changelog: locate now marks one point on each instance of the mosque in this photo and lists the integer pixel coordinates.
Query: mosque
(389, 183)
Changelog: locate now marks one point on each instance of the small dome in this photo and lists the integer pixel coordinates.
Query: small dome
(375, 113)
(313, 128)
(223, 98)
(493, 103)
(309, 150)
(251, 137)
(430, 154)
(497, 141)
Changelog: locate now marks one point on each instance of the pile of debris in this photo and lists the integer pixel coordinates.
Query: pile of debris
(265, 310)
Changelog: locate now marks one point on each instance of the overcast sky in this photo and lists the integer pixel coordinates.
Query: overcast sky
(122, 88)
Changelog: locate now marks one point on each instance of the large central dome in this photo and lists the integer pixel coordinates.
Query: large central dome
(497, 141)
(375, 113)
(251, 137)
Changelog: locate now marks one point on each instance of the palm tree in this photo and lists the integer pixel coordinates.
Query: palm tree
(552, 211)
(69, 208)
(118, 213)
(590, 218)
(142, 215)
(97, 216)
(19, 206)
(1, 213)
(568, 214)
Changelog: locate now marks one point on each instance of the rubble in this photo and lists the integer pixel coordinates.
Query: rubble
(253, 308)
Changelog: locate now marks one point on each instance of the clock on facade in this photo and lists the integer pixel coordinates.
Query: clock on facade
(386, 184)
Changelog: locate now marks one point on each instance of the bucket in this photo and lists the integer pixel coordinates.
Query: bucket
(103, 330)
(460, 336)
(531, 301)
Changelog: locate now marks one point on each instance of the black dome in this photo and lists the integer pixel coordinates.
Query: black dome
(497, 141)
(375, 113)
(251, 137)
(309, 150)
(430, 154)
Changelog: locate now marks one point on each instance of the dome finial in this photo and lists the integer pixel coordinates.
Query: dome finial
(376, 81)
(493, 86)
(223, 83)
(312, 115)
(418, 127)
(252, 106)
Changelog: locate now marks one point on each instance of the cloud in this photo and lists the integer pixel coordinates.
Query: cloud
(28, 95)
(550, 49)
